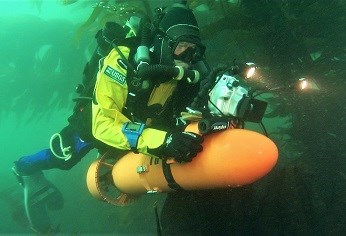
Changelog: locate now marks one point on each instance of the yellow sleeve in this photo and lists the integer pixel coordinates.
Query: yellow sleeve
(110, 98)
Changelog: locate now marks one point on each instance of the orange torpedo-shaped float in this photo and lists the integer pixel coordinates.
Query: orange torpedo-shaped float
(230, 158)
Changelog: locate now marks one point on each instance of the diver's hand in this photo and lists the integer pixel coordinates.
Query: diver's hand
(182, 146)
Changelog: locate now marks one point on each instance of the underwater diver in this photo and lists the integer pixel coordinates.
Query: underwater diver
(136, 105)
(68, 146)
(138, 109)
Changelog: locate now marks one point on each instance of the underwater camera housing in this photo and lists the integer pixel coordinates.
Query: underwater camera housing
(228, 98)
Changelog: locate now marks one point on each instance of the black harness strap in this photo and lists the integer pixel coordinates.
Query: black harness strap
(166, 168)
(125, 60)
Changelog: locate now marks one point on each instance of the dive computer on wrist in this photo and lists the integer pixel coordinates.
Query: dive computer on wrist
(132, 131)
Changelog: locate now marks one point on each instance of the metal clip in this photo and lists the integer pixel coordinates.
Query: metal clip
(152, 191)
(142, 169)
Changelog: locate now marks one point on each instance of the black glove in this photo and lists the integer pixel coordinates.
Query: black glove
(182, 146)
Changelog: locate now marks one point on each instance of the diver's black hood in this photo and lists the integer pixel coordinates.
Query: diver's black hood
(178, 24)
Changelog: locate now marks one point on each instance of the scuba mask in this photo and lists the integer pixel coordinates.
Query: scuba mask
(190, 54)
